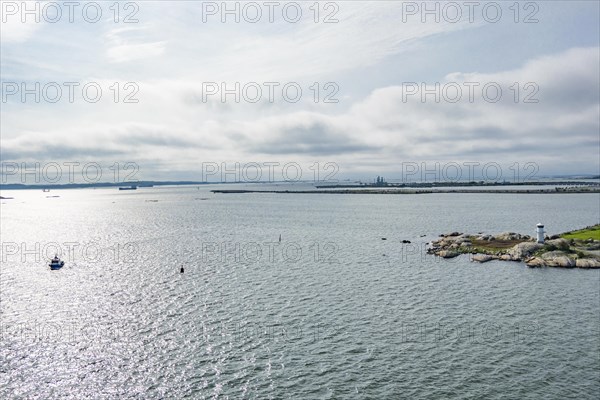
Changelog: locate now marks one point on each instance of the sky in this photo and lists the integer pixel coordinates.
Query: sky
(371, 87)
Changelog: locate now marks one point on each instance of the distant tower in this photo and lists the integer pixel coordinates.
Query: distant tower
(540, 233)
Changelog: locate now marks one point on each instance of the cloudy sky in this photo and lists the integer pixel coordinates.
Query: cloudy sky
(372, 64)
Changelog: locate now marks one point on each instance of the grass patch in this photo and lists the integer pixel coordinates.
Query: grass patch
(495, 245)
(592, 232)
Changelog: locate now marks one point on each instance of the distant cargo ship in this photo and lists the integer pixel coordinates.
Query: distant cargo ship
(132, 187)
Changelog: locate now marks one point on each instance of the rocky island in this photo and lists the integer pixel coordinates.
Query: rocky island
(577, 249)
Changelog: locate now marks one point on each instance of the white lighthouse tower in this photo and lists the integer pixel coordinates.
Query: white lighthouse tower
(540, 233)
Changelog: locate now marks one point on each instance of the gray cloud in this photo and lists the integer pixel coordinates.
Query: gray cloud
(316, 139)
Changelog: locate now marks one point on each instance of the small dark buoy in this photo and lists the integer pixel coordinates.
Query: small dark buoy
(181, 270)
(383, 238)
(279, 238)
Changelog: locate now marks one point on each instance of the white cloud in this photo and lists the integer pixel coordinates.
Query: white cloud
(131, 52)
(15, 31)
(125, 44)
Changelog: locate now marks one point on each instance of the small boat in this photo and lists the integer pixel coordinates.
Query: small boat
(45, 190)
(56, 263)
(132, 187)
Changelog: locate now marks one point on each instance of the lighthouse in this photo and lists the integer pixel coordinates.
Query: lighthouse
(540, 233)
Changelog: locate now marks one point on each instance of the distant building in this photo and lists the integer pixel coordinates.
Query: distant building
(380, 181)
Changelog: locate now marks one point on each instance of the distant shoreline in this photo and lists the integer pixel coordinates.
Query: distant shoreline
(428, 185)
(420, 187)
(98, 185)
(380, 191)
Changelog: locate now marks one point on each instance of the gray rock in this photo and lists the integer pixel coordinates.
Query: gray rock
(524, 250)
(549, 255)
(587, 263)
(508, 236)
(558, 259)
(560, 243)
(447, 254)
(593, 246)
(535, 262)
(482, 258)
(562, 261)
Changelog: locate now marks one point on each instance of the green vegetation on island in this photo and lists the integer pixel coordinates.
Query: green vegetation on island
(591, 232)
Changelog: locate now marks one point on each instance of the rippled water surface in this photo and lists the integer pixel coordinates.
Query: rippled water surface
(330, 312)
